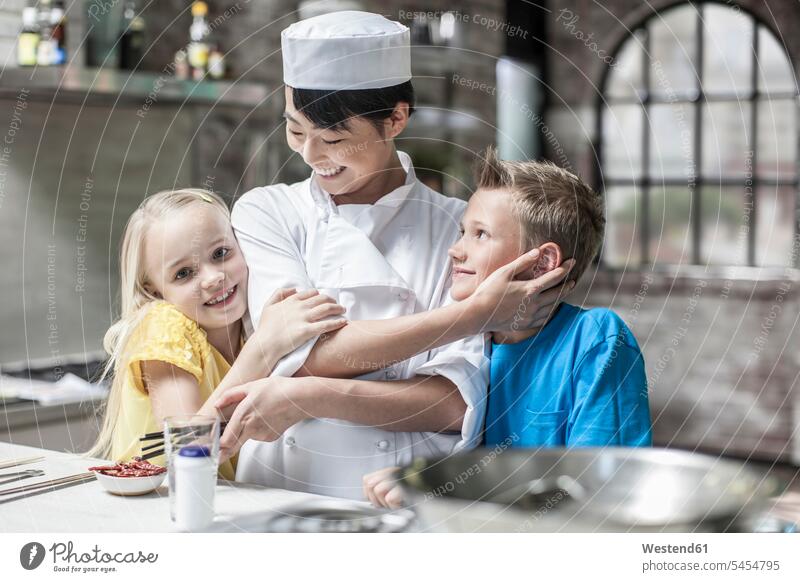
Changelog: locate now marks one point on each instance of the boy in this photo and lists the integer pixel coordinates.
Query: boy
(579, 380)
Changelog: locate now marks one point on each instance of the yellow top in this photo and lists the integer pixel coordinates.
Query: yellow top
(166, 335)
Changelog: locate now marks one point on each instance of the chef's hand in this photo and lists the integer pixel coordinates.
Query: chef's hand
(264, 410)
(382, 490)
(290, 318)
(505, 301)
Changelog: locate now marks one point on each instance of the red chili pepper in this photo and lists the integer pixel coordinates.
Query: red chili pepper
(135, 468)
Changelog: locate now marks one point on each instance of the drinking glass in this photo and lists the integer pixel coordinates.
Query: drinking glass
(188, 430)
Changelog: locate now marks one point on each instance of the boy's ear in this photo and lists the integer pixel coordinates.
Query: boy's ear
(550, 257)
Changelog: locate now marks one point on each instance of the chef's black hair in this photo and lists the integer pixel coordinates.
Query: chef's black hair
(332, 109)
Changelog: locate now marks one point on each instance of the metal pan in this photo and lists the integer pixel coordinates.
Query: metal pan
(582, 490)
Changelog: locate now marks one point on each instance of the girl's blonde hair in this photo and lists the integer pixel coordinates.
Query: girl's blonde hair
(134, 297)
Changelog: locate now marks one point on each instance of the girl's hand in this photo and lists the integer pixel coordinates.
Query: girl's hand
(504, 303)
(290, 318)
(382, 490)
(210, 407)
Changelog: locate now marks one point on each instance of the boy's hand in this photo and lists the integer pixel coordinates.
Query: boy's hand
(504, 303)
(382, 490)
(290, 318)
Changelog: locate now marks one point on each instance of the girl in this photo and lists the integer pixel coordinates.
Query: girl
(183, 287)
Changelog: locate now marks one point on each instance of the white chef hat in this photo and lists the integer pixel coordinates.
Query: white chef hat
(346, 50)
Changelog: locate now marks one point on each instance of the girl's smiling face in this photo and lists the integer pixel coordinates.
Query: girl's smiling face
(345, 161)
(491, 236)
(193, 261)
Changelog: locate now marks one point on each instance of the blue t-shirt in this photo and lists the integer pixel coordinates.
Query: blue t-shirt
(579, 382)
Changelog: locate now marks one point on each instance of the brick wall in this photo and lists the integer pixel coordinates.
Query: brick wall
(721, 357)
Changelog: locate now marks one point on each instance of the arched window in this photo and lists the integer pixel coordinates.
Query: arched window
(698, 142)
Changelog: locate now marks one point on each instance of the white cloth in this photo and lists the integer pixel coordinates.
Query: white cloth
(346, 50)
(380, 261)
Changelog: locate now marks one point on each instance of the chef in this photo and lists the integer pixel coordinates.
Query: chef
(408, 375)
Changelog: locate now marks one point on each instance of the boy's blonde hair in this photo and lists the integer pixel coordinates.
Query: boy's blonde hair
(134, 297)
(552, 205)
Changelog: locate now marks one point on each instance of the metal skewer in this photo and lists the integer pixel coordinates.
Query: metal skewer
(17, 462)
(20, 475)
(52, 483)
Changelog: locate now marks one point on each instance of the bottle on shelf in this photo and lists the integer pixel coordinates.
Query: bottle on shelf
(216, 58)
(28, 41)
(181, 65)
(216, 62)
(47, 47)
(198, 48)
(58, 32)
(132, 37)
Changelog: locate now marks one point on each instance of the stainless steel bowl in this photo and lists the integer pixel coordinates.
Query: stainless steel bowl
(584, 490)
(322, 515)
(339, 516)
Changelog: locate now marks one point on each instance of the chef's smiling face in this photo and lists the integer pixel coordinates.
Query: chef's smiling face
(193, 261)
(345, 160)
(491, 236)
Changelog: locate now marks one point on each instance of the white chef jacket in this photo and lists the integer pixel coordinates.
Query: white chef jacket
(380, 261)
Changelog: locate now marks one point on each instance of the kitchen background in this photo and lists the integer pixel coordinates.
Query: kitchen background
(683, 113)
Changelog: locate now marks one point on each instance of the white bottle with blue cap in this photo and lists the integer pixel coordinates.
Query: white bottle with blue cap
(195, 481)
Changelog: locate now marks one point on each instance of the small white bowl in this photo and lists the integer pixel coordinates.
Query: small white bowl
(130, 485)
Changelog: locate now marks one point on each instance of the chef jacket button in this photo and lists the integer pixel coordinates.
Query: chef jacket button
(403, 296)
(290, 442)
(391, 374)
(383, 445)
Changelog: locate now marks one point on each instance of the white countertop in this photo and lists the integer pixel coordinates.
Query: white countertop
(90, 508)
(240, 507)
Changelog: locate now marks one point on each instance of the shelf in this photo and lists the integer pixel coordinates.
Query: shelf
(74, 84)
(30, 414)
